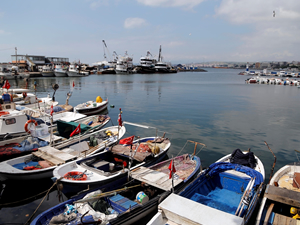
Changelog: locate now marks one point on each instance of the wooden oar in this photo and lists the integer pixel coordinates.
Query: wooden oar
(105, 194)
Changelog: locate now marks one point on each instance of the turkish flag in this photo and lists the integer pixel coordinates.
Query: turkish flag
(6, 85)
(76, 131)
(51, 110)
(171, 168)
(127, 141)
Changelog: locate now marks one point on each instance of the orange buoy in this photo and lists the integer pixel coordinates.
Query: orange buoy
(27, 123)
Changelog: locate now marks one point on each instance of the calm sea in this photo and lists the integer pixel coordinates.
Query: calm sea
(216, 108)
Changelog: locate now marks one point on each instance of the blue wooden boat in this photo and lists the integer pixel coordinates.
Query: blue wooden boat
(131, 202)
(225, 193)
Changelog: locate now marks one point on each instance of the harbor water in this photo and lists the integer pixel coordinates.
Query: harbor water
(216, 108)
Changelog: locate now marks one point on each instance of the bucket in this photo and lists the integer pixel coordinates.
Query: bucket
(142, 197)
(111, 166)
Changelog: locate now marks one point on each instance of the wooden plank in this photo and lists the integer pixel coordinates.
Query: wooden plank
(283, 220)
(154, 178)
(282, 195)
(48, 158)
(53, 155)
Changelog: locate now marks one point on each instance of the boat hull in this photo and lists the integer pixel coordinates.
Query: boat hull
(60, 74)
(48, 74)
(74, 74)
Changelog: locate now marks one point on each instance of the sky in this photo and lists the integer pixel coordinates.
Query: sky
(189, 31)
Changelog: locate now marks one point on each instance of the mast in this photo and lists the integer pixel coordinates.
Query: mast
(16, 56)
(159, 55)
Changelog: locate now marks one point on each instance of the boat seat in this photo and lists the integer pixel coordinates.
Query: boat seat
(122, 203)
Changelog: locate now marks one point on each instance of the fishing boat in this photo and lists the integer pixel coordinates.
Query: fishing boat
(124, 64)
(41, 163)
(39, 136)
(225, 193)
(132, 200)
(280, 203)
(92, 107)
(59, 71)
(111, 164)
(75, 71)
(47, 71)
(162, 67)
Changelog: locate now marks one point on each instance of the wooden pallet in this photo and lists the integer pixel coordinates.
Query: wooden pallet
(54, 156)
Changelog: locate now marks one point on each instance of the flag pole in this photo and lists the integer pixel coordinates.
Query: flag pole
(120, 122)
(172, 175)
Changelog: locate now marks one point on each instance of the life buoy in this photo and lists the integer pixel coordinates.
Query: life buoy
(27, 123)
(74, 175)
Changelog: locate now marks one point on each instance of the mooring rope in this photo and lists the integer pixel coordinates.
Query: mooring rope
(42, 200)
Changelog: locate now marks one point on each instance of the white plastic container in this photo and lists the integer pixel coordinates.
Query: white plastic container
(111, 166)
(40, 130)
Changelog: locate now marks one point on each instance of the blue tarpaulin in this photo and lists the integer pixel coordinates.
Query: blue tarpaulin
(216, 168)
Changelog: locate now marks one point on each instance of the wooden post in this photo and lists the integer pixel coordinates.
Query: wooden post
(272, 170)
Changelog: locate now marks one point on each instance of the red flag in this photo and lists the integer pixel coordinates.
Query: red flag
(73, 84)
(76, 131)
(51, 110)
(6, 85)
(120, 118)
(171, 168)
(127, 141)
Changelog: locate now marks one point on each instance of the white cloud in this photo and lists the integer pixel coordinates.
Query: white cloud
(134, 23)
(268, 37)
(97, 3)
(189, 4)
(174, 44)
(252, 11)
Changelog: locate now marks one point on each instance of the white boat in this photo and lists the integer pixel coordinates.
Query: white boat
(75, 71)
(59, 71)
(280, 203)
(40, 164)
(92, 107)
(47, 71)
(225, 193)
(252, 80)
(147, 64)
(278, 81)
(282, 73)
(120, 158)
(124, 64)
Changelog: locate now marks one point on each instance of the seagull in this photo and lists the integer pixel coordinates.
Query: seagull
(190, 34)
(273, 13)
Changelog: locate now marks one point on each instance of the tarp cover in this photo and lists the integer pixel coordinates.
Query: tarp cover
(122, 150)
(219, 167)
(66, 128)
